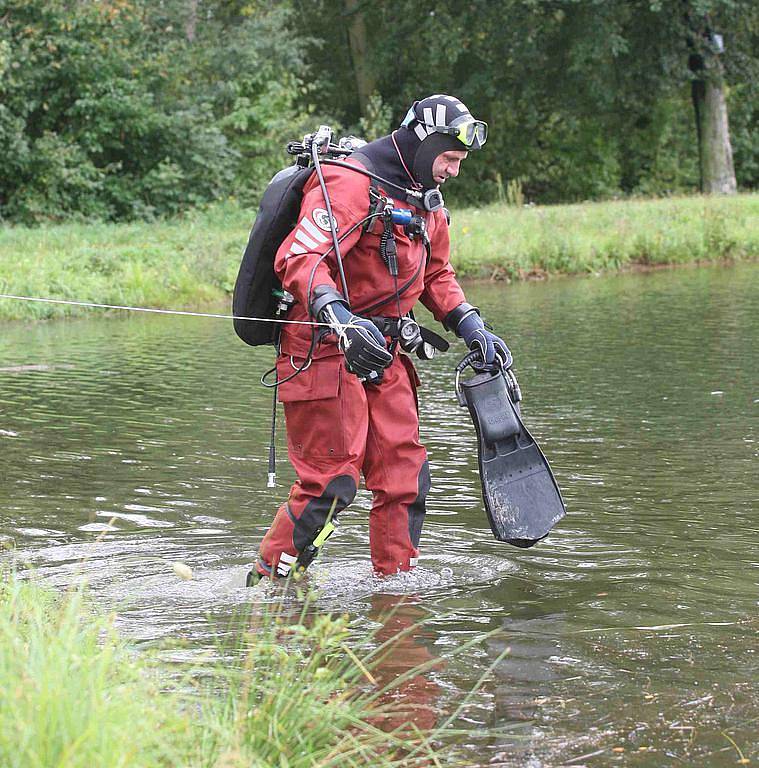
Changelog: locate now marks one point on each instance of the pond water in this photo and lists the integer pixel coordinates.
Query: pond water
(633, 629)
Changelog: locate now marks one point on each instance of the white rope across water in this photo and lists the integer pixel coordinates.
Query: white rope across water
(164, 311)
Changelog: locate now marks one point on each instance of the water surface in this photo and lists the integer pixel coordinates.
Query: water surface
(128, 444)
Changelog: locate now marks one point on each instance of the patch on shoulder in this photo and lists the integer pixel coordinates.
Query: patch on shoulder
(321, 219)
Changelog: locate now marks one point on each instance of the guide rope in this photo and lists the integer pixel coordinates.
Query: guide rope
(97, 305)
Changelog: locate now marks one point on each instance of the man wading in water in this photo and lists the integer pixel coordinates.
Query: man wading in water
(353, 409)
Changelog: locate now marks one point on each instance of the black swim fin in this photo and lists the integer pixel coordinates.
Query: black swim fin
(522, 499)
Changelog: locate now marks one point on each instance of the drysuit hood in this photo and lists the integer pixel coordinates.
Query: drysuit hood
(406, 157)
(389, 157)
(421, 137)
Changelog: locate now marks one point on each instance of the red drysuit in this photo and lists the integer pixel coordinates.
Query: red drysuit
(337, 427)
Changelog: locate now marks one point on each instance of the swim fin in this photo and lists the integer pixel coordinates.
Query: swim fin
(522, 499)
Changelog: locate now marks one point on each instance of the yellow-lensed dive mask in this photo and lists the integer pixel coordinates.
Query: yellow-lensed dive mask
(470, 132)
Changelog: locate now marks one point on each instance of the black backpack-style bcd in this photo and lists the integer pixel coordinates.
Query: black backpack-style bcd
(257, 289)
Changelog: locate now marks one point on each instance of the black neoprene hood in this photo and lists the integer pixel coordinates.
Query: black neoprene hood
(421, 143)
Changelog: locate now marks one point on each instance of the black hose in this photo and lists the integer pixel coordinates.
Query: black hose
(310, 352)
(399, 292)
(332, 228)
(306, 363)
(331, 248)
(272, 448)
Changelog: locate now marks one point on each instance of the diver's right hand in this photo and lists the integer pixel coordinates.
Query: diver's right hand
(364, 347)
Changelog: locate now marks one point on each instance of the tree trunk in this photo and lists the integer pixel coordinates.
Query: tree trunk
(192, 21)
(714, 150)
(365, 80)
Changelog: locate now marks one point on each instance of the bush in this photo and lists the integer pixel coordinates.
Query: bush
(107, 111)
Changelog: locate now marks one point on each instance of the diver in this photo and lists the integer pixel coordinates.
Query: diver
(352, 408)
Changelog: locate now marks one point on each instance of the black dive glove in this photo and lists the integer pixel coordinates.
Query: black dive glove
(465, 321)
(364, 347)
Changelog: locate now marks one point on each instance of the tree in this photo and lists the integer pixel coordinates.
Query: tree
(585, 97)
(126, 108)
(92, 133)
(709, 104)
(365, 80)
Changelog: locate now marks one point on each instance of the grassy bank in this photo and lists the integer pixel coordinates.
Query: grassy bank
(75, 694)
(192, 262)
(184, 263)
(498, 241)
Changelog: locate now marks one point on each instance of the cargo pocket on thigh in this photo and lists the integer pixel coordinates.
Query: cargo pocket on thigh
(416, 382)
(313, 408)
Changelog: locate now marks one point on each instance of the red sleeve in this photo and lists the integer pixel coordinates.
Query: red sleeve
(442, 292)
(298, 262)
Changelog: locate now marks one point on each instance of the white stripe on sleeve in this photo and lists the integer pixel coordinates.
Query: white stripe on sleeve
(305, 239)
(313, 230)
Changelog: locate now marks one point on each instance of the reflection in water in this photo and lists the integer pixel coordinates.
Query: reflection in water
(403, 670)
(128, 445)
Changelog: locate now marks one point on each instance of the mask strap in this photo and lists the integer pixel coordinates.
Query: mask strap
(410, 116)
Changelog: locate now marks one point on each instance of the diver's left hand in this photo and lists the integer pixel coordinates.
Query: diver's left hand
(478, 338)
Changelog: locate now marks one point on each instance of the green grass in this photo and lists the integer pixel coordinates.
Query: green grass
(515, 243)
(76, 694)
(191, 263)
(71, 692)
(186, 263)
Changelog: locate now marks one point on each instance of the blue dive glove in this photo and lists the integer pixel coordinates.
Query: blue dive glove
(466, 322)
(366, 354)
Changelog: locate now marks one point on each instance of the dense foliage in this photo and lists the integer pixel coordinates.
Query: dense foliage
(119, 109)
